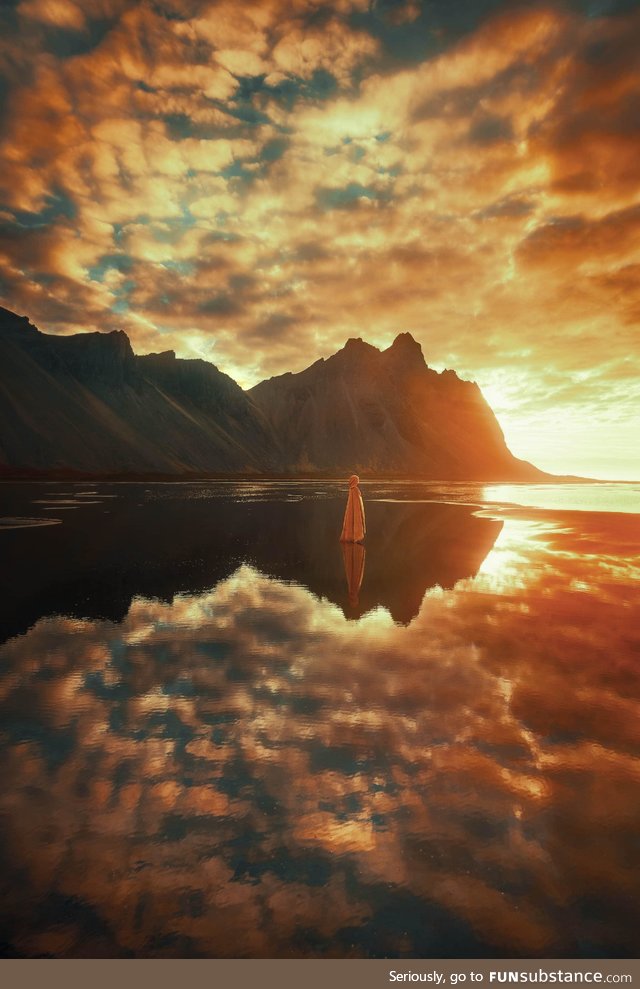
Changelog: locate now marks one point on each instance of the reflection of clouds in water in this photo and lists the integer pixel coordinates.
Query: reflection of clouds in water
(247, 772)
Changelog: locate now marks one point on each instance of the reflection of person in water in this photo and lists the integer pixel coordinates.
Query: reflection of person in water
(353, 527)
(353, 556)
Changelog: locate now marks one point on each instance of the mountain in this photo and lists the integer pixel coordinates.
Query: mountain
(87, 403)
(373, 411)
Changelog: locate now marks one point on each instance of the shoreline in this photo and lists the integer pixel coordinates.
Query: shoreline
(83, 478)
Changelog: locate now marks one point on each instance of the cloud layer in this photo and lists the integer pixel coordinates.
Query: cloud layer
(255, 183)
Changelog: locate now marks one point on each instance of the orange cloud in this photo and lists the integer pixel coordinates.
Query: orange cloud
(59, 13)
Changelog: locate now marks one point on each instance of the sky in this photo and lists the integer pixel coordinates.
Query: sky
(254, 183)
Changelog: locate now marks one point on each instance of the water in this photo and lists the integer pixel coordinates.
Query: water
(223, 735)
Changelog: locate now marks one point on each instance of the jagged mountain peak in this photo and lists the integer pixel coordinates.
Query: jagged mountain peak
(405, 341)
(356, 345)
(406, 351)
(94, 350)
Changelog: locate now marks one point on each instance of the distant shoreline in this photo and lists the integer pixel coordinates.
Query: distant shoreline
(9, 474)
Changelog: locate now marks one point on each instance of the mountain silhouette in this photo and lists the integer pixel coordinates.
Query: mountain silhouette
(87, 403)
(373, 411)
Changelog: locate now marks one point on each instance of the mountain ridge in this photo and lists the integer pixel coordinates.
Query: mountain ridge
(388, 411)
(103, 410)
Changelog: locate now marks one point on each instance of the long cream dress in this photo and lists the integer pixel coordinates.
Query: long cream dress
(353, 527)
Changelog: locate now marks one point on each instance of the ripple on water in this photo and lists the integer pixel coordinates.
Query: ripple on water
(22, 523)
(64, 502)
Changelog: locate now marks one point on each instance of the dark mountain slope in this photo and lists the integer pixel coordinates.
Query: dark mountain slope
(86, 402)
(371, 411)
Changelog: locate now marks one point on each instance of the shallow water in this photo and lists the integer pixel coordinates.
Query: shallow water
(223, 735)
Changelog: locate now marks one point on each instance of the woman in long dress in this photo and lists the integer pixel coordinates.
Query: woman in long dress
(353, 527)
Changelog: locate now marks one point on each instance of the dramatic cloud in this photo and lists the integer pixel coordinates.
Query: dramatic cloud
(255, 183)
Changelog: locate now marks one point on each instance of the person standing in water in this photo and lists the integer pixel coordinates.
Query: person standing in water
(353, 527)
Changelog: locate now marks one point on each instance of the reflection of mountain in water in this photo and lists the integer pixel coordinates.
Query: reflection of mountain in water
(158, 541)
(409, 548)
